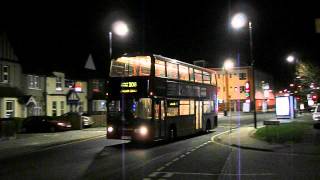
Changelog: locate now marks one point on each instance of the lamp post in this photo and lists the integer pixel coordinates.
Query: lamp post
(238, 21)
(227, 65)
(121, 29)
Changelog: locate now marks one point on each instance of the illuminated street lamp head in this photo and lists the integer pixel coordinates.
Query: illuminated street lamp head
(228, 64)
(239, 20)
(120, 28)
(290, 59)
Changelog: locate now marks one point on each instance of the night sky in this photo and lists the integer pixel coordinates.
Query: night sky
(61, 34)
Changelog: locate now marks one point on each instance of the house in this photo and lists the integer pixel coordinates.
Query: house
(10, 81)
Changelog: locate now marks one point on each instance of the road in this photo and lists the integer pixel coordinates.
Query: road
(189, 158)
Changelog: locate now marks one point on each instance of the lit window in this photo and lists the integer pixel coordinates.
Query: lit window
(131, 66)
(59, 83)
(183, 73)
(198, 76)
(191, 106)
(206, 106)
(242, 76)
(184, 107)
(160, 68)
(144, 108)
(191, 74)
(172, 71)
(34, 82)
(9, 109)
(78, 87)
(206, 78)
(172, 108)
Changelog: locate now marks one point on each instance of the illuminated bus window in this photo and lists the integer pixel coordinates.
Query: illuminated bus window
(206, 106)
(206, 77)
(191, 107)
(191, 74)
(172, 71)
(172, 111)
(183, 73)
(184, 107)
(131, 66)
(144, 108)
(160, 68)
(198, 76)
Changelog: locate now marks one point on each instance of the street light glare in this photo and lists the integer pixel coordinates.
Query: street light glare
(239, 20)
(228, 64)
(120, 28)
(290, 59)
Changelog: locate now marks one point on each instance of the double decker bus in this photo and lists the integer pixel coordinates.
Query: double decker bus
(152, 97)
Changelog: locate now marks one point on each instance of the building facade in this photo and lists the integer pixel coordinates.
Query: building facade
(235, 89)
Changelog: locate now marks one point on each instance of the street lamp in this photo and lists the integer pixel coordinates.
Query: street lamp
(239, 21)
(121, 29)
(227, 65)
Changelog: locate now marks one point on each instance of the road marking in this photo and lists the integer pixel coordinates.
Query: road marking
(160, 169)
(182, 156)
(154, 174)
(176, 159)
(216, 174)
(188, 152)
(168, 164)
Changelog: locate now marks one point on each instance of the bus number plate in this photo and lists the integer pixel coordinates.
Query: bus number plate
(125, 137)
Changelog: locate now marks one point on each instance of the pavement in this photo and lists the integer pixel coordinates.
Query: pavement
(31, 142)
(243, 137)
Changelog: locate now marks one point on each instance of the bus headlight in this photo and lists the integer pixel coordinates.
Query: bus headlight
(110, 129)
(143, 130)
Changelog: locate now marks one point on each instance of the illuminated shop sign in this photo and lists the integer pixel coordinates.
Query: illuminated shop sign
(128, 87)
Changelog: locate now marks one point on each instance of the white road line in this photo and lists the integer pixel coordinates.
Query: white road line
(218, 174)
(146, 179)
(167, 175)
(154, 174)
(168, 164)
(182, 156)
(176, 159)
(188, 152)
(160, 168)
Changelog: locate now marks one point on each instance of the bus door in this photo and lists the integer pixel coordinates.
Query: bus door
(159, 118)
(198, 114)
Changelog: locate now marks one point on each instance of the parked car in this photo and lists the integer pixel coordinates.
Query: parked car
(45, 124)
(87, 121)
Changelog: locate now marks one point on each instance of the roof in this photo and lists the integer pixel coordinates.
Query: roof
(10, 92)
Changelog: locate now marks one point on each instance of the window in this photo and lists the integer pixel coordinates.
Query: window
(68, 83)
(9, 109)
(242, 89)
(198, 76)
(131, 66)
(95, 86)
(172, 108)
(206, 78)
(54, 108)
(191, 106)
(78, 87)
(144, 108)
(172, 70)
(206, 106)
(114, 106)
(242, 76)
(191, 74)
(160, 68)
(184, 107)
(59, 83)
(99, 105)
(34, 82)
(4, 74)
(183, 73)
(62, 107)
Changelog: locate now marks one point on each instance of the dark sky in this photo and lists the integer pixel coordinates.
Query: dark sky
(61, 34)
